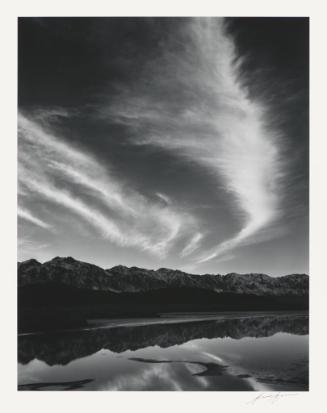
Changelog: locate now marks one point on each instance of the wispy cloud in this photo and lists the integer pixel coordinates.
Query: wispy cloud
(212, 121)
(28, 216)
(55, 171)
(164, 198)
(193, 245)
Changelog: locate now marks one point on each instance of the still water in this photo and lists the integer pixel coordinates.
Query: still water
(266, 352)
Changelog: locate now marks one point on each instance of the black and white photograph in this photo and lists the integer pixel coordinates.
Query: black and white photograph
(163, 204)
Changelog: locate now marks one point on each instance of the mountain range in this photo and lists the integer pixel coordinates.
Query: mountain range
(120, 279)
(64, 293)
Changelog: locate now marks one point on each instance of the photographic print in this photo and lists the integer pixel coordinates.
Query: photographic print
(163, 204)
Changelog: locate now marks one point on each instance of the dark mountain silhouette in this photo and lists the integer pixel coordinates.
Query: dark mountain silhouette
(64, 292)
(70, 272)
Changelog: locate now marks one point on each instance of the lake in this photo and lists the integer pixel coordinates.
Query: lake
(188, 352)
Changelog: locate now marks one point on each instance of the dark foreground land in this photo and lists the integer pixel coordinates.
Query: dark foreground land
(51, 307)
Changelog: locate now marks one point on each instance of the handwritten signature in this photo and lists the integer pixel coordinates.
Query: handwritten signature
(271, 397)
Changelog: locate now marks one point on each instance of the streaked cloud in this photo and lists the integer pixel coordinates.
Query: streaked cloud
(52, 170)
(162, 129)
(28, 216)
(164, 198)
(193, 245)
(200, 109)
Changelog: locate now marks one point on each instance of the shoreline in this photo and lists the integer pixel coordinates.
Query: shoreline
(170, 318)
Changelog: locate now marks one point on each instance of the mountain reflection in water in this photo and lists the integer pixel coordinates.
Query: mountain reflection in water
(261, 352)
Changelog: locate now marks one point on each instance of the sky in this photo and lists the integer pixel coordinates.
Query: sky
(165, 142)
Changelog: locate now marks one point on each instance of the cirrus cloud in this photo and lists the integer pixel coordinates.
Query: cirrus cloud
(52, 170)
(199, 108)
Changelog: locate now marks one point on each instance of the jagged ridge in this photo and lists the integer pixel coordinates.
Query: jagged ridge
(78, 274)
